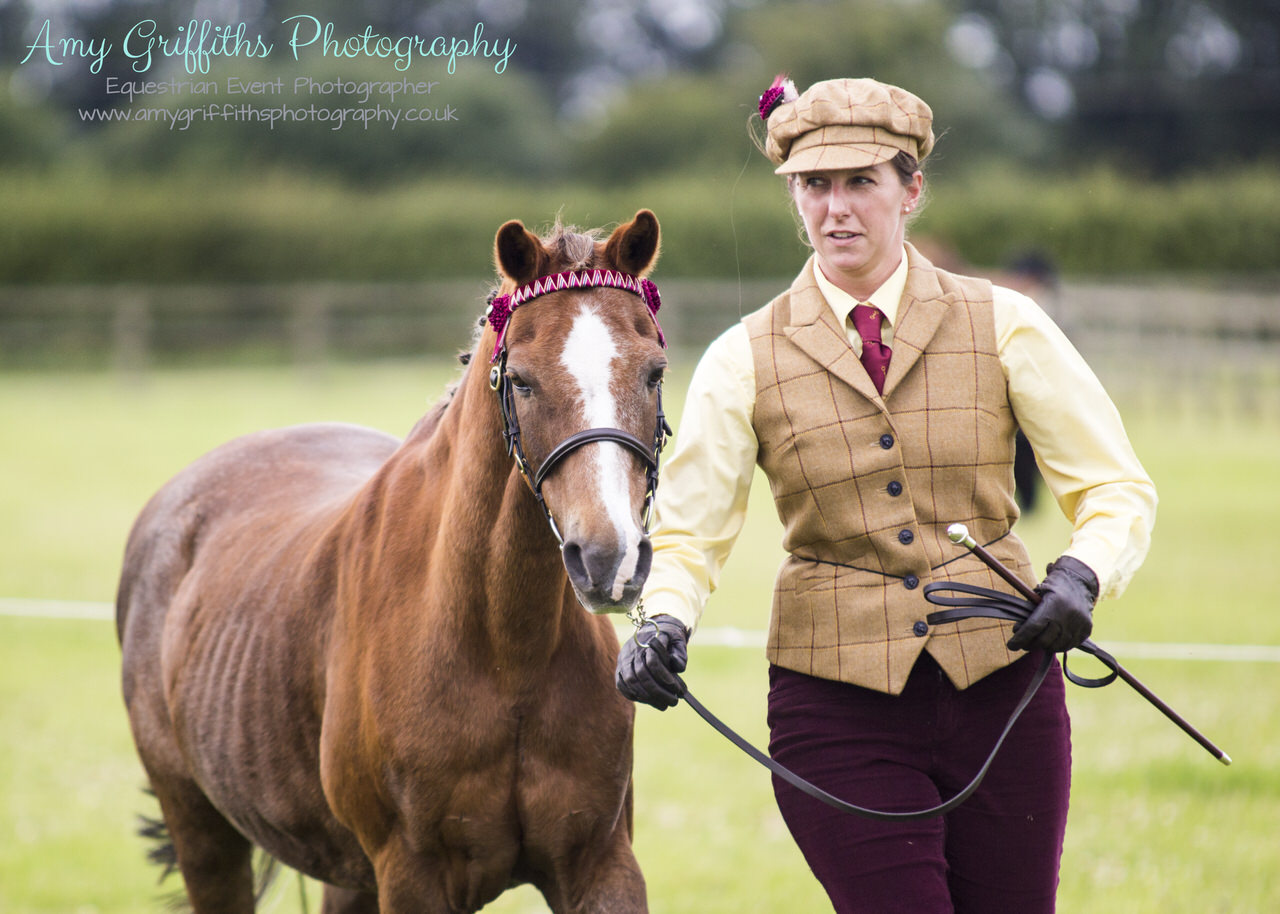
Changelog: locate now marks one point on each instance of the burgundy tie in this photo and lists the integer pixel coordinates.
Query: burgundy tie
(875, 354)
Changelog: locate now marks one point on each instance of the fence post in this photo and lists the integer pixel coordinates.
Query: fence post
(130, 336)
(309, 328)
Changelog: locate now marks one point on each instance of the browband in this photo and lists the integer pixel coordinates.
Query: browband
(502, 307)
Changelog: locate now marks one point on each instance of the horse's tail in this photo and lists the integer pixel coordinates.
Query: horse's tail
(265, 870)
(163, 854)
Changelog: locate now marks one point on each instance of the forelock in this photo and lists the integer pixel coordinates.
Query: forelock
(571, 248)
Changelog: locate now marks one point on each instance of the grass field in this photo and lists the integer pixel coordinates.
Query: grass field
(1156, 824)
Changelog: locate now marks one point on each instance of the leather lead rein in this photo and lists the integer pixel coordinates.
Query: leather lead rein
(974, 602)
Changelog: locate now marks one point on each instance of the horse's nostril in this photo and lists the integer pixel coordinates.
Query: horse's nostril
(574, 565)
(644, 561)
(592, 567)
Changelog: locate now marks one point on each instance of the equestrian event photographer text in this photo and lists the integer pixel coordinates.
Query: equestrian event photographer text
(200, 41)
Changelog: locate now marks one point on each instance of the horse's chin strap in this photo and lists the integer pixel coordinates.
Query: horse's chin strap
(976, 602)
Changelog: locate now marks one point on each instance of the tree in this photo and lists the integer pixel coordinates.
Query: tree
(1165, 84)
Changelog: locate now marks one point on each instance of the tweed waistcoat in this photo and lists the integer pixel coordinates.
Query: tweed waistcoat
(866, 484)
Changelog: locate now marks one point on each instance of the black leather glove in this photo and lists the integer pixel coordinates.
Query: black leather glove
(1064, 617)
(642, 675)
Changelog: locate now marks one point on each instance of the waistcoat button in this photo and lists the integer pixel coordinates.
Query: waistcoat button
(895, 488)
(906, 537)
(921, 629)
(886, 441)
(911, 582)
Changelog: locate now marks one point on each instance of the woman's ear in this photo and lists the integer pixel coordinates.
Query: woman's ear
(914, 191)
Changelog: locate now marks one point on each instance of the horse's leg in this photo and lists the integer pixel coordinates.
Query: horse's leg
(411, 883)
(619, 889)
(405, 887)
(348, 901)
(214, 858)
(619, 884)
(609, 883)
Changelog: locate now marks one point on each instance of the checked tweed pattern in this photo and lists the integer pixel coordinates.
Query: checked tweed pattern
(865, 485)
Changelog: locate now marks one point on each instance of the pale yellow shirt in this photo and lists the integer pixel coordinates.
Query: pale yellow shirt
(1074, 428)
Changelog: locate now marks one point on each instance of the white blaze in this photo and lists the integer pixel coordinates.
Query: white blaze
(589, 352)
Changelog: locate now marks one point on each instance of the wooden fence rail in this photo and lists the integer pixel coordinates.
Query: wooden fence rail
(1204, 348)
(1203, 344)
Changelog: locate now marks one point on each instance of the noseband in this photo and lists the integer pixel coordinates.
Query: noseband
(499, 312)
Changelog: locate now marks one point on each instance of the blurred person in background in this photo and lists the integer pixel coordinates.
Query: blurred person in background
(882, 395)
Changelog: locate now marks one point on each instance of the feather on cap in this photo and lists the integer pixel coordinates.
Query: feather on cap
(781, 90)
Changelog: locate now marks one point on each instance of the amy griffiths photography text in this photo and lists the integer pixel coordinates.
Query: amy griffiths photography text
(200, 41)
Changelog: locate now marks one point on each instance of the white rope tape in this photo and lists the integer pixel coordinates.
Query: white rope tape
(725, 636)
(56, 609)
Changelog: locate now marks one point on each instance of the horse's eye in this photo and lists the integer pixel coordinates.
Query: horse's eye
(521, 387)
(655, 377)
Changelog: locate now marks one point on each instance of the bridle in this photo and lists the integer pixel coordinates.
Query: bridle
(499, 313)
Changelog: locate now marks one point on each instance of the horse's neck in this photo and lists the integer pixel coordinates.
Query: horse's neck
(492, 571)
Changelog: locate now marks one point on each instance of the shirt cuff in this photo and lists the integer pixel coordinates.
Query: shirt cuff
(667, 603)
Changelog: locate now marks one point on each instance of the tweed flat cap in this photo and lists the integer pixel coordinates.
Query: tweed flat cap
(847, 123)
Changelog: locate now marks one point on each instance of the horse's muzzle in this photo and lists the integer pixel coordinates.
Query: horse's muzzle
(608, 578)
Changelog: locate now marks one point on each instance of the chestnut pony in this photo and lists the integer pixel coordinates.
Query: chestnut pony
(367, 657)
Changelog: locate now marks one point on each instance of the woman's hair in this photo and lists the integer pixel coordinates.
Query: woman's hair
(906, 166)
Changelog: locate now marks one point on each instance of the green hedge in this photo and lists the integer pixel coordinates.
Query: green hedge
(83, 227)
(1100, 223)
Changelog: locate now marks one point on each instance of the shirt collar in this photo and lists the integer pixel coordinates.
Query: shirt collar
(886, 298)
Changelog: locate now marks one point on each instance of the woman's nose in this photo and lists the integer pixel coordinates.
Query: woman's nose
(838, 203)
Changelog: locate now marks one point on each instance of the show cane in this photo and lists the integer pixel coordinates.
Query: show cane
(959, 534)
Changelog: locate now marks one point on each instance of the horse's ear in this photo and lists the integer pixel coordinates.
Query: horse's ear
(517, 252)
(633, 248)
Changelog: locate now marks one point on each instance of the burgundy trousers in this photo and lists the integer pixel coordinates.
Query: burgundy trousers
(998, 852)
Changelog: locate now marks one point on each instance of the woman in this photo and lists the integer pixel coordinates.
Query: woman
(881, 396)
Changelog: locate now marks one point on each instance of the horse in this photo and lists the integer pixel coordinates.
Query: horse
(370, 659)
